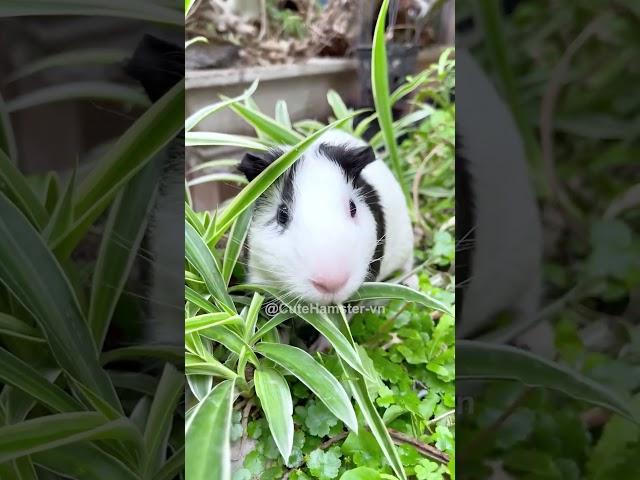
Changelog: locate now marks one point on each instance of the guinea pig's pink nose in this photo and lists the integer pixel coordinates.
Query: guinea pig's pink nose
(330, 283)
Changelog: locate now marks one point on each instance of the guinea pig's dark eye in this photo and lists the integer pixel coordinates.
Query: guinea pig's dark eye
(352, 208)
(283, 214)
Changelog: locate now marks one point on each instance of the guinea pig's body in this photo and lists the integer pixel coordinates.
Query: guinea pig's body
(335, 219)
(499, 245)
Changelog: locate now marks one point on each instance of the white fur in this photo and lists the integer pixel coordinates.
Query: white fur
(505, 272)
(321, 235)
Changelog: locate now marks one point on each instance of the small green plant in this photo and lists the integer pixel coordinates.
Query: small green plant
(236, 364)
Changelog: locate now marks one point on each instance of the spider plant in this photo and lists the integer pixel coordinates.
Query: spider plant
(71, 405)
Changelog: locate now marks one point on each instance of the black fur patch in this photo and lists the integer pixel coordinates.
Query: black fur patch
(254, 163)
(465, 223)
(372, 199)
(351, 160)
(157, 64)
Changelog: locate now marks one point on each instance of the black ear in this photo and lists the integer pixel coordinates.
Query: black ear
(253, 163)
(351, 159)
(355, 159)
(157, 64)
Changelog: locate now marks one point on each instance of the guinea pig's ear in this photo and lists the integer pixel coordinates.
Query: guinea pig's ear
(253, 163)
(355, 159)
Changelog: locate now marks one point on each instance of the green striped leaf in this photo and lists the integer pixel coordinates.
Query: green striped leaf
(324, 385)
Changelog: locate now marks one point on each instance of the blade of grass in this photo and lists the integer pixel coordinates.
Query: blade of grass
(380, 89)
(198, 39)
(321, 323)
(194, 297)
(213, 164)
(210, 367)
(374, 421)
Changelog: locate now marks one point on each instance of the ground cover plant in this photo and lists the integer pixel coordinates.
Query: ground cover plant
(379, 403)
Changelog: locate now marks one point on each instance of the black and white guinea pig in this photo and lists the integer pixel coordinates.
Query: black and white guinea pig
(498, 228)
(335, 219)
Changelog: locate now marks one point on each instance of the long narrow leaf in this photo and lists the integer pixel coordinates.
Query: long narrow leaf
(204, 112)
(482, 361)
(266, 125)
(282, 114)
(207, 429)
(208, 320)
(7, 138)
(128, 218)
(203, 139)
(141, 142)
(380, 290)
(17, 189)
(374, 421)
(32, 274)
(104, 91)
(380, 88)
(235, 242)
(324, 385)
(15, 372)
(198, 254)
(45, 433)
(134, 9)
(273, 391)
(85, 56)
(17, 328)
(83, 461)
(156, 434)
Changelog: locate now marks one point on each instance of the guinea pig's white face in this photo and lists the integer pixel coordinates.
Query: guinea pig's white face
(313, 234)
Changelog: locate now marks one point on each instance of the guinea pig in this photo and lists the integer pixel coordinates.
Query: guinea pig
(335, 219)
(498, 226)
